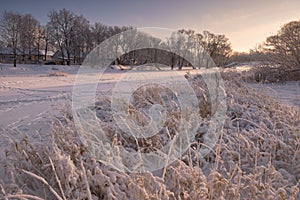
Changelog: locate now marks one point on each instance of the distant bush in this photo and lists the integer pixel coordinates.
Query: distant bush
(59, 73)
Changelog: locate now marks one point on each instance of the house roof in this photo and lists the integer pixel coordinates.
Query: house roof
(59, 55)
(49, 53)
(36, 52)
(8, 51)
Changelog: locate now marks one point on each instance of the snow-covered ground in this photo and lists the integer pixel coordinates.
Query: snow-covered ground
(287, 92)
(29, 96)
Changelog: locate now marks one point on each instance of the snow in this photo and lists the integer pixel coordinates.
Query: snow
(29, 97)
(287, 92)
(28, 94)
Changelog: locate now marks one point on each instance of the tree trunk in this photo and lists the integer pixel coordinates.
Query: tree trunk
(180, 63)
(46, 49)
(15, 62)
(69, 60)
(38, 49)
(30, 54)
(172, 60)
(15, 57)
(117, 61)
(63, 55)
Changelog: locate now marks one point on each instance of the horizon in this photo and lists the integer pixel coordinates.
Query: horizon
(245, 24)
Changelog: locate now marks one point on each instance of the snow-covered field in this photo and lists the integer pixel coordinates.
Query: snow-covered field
(287, 92)
(30, 95)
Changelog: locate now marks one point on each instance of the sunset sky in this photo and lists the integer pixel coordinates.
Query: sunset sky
(246, 23)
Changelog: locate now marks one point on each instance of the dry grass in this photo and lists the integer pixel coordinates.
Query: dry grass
(268, 74)
(257, 155)
(58, 73)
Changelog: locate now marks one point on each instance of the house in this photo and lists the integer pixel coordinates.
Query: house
(61, 57)
(7, 54)
(35, 56)
(49, 55)
(24, 56)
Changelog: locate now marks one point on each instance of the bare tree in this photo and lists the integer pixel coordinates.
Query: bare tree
(187, 44)
(10, 31)
(284, 47)
(99, 33)
(43, 41)
(28, 35)
(47, 39)
(61, 27)
(173, 44)
(81, 38)
(155, 43)
(217, 47)
(200, 48)
(39, 38)
(120, 42)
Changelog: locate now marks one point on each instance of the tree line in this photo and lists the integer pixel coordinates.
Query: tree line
(65, 31)
(75, 36)
(281, 49)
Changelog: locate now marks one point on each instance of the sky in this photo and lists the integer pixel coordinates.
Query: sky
(245, 22)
